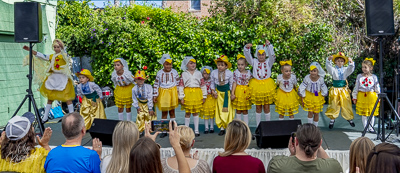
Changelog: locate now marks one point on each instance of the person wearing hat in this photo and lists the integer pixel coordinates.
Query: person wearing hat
(142, 95)
(339, 94)
(262, 87)
(208, 109)
(365, 93)
(91, 94)
(221, 86)
(192, 92)
(312, 92)
(123, 83)
(18, 151)
(165, 92)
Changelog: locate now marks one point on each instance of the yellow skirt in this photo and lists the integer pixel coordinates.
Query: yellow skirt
(67, 94)
(313, 103)
(242, 100)
(144, 116)
(91, 110)
(208, 109)
(193, 100)
(167, 99)
(366, 102)
(287, 103)
(222, 119)
(263, 92)
(123, 96)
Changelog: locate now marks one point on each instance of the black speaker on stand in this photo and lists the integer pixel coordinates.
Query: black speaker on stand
(275, 134)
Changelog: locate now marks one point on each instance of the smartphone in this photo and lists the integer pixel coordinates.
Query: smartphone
(160, 125)
(293, 136)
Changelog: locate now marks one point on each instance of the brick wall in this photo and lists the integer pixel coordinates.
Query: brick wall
(184, 6)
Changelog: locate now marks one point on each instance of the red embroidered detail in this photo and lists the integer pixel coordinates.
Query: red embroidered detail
(363, 82)
(57, 66)
(366, 84)
(57, 59)
(369, 82)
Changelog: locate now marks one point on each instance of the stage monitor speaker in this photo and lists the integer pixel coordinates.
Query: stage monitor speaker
(27, 22)
(103, 129)
(379, 17)
(275, 134)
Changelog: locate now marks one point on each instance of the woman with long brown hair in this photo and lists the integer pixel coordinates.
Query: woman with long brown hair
(359, 151)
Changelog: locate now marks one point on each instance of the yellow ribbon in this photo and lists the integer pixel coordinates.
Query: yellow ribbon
(371, 59)
(286, 62)
(261, 51)
(240, 56)
(207, 70)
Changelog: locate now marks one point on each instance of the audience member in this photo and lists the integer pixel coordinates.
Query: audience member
(359, 151)
(234, 158)
(304, 151)
(71, 156)
(385, 158)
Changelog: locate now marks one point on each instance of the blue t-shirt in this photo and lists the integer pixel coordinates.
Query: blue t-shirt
(72, 159)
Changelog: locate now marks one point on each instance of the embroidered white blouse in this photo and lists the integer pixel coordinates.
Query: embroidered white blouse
(88, 88)
(311, 86)
(241, 78)
(286, 85)
(124, 80)
(215, 81)
(144, 92)
(165, 80)
(194, 80)
(208, 85)
(366, 84)
(261, 70)
(339, 73)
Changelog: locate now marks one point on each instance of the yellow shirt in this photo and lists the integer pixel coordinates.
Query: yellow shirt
(33, 164)
(59, 61)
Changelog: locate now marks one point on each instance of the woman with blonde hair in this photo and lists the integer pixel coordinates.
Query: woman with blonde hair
(125, 135)
(359, 151)
(170, 165)
(234, 158)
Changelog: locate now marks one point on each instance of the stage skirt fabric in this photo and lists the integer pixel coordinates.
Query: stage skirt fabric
(92, 109)
(263, 92)
(366, 102)
(193, 100)
(123, 96)
(167, 99)
(287, 103)
(313, 103)
(242, 100)
(208, 109)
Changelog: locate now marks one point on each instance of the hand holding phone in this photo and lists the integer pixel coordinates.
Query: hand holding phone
(161, 125)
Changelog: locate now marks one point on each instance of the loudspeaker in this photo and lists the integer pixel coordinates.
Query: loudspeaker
(27, 22)
(379, 17)
(103, 129)
(275, 134)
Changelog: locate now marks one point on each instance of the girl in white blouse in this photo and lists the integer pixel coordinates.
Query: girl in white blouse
(287, 99)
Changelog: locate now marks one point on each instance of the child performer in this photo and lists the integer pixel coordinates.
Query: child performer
(123, 82)
(221, 84)
(58, 85)
(339, 94)
(165, 93)
(208, 110)
(240, 90)
(287, 99)
(262, 87)
(142, 95)
(366, 92)
(192, 92)
(312, 92)
(91, 94)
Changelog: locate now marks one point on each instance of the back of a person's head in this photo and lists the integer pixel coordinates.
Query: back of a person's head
(359, 151)
(237, 138)
(72, 125)
(145, 157)
(18, 150)
(124, 138)
(309, 138)
(385, 158)
(187, 137)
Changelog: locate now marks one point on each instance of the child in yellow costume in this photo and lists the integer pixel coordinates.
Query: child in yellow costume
(142, 95)
(192, 92)
(312, 91)
(165, 93)
(221, 85)
(208, 110)
(240, 90)
(123, 83)
(339, 94)
(366, 92)
(287, 99)
(58, 85)
(91, 94)
(262, 87)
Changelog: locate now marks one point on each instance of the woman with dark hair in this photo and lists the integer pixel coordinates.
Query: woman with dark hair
(304, 152)
(385, 158)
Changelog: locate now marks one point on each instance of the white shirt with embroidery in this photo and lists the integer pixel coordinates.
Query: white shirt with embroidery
(145, 92)
(194, 80)
(215, 79)
(261, 70)
(242, 78)
(313, 87)
(124, 80)
(286, 85)
(165, 80)
(88, 88)
(208, 86)
(339, 73)
(366, 84)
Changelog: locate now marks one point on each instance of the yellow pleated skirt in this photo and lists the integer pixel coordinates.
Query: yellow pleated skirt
(144, 116)
(167, 99)
(287, 103)
(366, 102)
(193, 100)
(242, 100)
(313, 103)
(208, 109)
(67, 94)
(123, 96)
(222, 119)
(263, 92)
(91, 110)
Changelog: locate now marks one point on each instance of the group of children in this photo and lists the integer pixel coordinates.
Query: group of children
(217, 93)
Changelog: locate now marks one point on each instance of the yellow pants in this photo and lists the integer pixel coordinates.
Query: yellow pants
(339, 98)
(91, 110)
(144, 116)
(222, 119)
